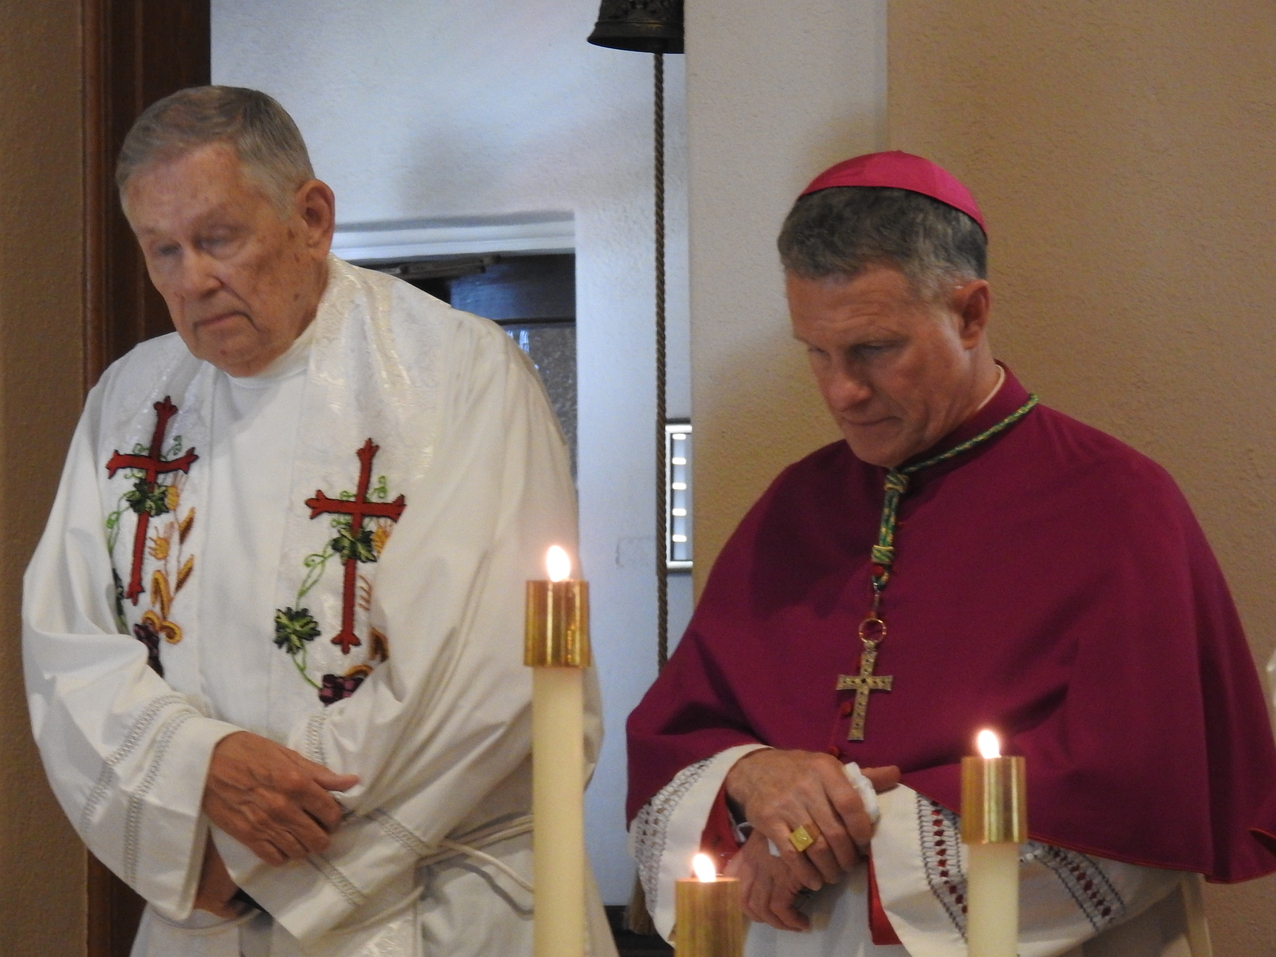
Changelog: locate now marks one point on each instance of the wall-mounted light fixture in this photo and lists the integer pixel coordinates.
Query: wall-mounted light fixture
(678, 538)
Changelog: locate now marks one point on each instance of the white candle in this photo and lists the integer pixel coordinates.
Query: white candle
(1198, 928)
(708, 914)
(557, 646)
(993, 825)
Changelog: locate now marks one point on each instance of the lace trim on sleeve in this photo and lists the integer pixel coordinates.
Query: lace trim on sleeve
(107, 774)
(133, 823)
(314, 738)
(1083, 877)
(651, 825)
(334, 876)
(940, 839)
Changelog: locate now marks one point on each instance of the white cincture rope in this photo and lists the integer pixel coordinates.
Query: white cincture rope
(469, 845)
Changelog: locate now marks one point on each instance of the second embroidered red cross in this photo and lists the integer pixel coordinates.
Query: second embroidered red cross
(354, 541)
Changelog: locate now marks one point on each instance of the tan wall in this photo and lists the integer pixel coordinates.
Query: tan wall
(775, 92)
(41, 860)
(1122, 153)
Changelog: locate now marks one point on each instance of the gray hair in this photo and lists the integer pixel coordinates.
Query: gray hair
(261, 132)
(843, 230)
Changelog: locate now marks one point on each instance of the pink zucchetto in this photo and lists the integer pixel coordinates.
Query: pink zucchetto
(901, 170)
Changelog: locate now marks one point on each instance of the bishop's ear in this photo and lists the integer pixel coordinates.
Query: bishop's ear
(972, 302)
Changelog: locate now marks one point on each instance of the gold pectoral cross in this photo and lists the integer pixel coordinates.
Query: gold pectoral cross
(864, 684)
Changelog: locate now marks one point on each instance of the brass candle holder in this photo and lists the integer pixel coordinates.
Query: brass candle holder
(994, 800)
(557, 628)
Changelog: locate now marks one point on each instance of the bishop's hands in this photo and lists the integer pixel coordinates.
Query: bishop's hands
(271, 799)
(768, 887)
(779, 791)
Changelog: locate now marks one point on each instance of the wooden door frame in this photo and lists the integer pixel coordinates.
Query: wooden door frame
(134, 52)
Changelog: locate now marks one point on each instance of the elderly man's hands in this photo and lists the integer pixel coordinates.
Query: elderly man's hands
(271, 799)
(216, 887)
(779, 791)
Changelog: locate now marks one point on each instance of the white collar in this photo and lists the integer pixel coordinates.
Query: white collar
(1001, 380)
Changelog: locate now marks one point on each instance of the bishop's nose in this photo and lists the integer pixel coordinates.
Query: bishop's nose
(843, 392)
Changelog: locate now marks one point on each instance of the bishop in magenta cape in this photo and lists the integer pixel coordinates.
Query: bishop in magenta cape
(1051, 584)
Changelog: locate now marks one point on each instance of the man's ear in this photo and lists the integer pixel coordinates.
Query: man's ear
(972, 303)
(317, 207)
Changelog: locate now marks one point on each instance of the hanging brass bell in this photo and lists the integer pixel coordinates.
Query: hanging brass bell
(644, 26)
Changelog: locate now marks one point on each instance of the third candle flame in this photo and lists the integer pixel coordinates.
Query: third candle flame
(703, 866)
(558, 564)
(989, 745)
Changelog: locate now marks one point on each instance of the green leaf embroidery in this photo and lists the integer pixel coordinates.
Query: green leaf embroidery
(151, 498)
(294, 627)
(356, 548)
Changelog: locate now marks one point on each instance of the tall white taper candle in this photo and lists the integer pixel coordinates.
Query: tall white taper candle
(557, 648)
(558, 841)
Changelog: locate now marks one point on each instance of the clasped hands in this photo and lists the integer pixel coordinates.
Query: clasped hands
(279, 805)
(779, 791)
(272, 800)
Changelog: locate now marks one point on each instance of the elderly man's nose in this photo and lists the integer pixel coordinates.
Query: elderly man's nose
(198, 274)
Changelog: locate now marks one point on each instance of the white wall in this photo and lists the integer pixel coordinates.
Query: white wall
(426, 110)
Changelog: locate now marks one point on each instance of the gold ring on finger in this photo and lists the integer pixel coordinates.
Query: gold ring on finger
(803, 836)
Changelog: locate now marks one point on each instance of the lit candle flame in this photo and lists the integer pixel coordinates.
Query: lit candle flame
(703, 866)
(989, 745)
(558, 563)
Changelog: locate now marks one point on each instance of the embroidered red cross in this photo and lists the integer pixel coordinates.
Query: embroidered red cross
(358, 508)
(152, 465)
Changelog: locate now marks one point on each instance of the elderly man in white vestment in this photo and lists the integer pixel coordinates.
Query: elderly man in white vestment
(273, 628)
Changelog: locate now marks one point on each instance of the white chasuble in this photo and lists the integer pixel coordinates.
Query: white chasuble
(330, 554)
(1071, 904)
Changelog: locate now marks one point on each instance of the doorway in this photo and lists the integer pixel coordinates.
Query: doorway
(531, 296)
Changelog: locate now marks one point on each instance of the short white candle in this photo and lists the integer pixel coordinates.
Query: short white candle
(708, 913)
